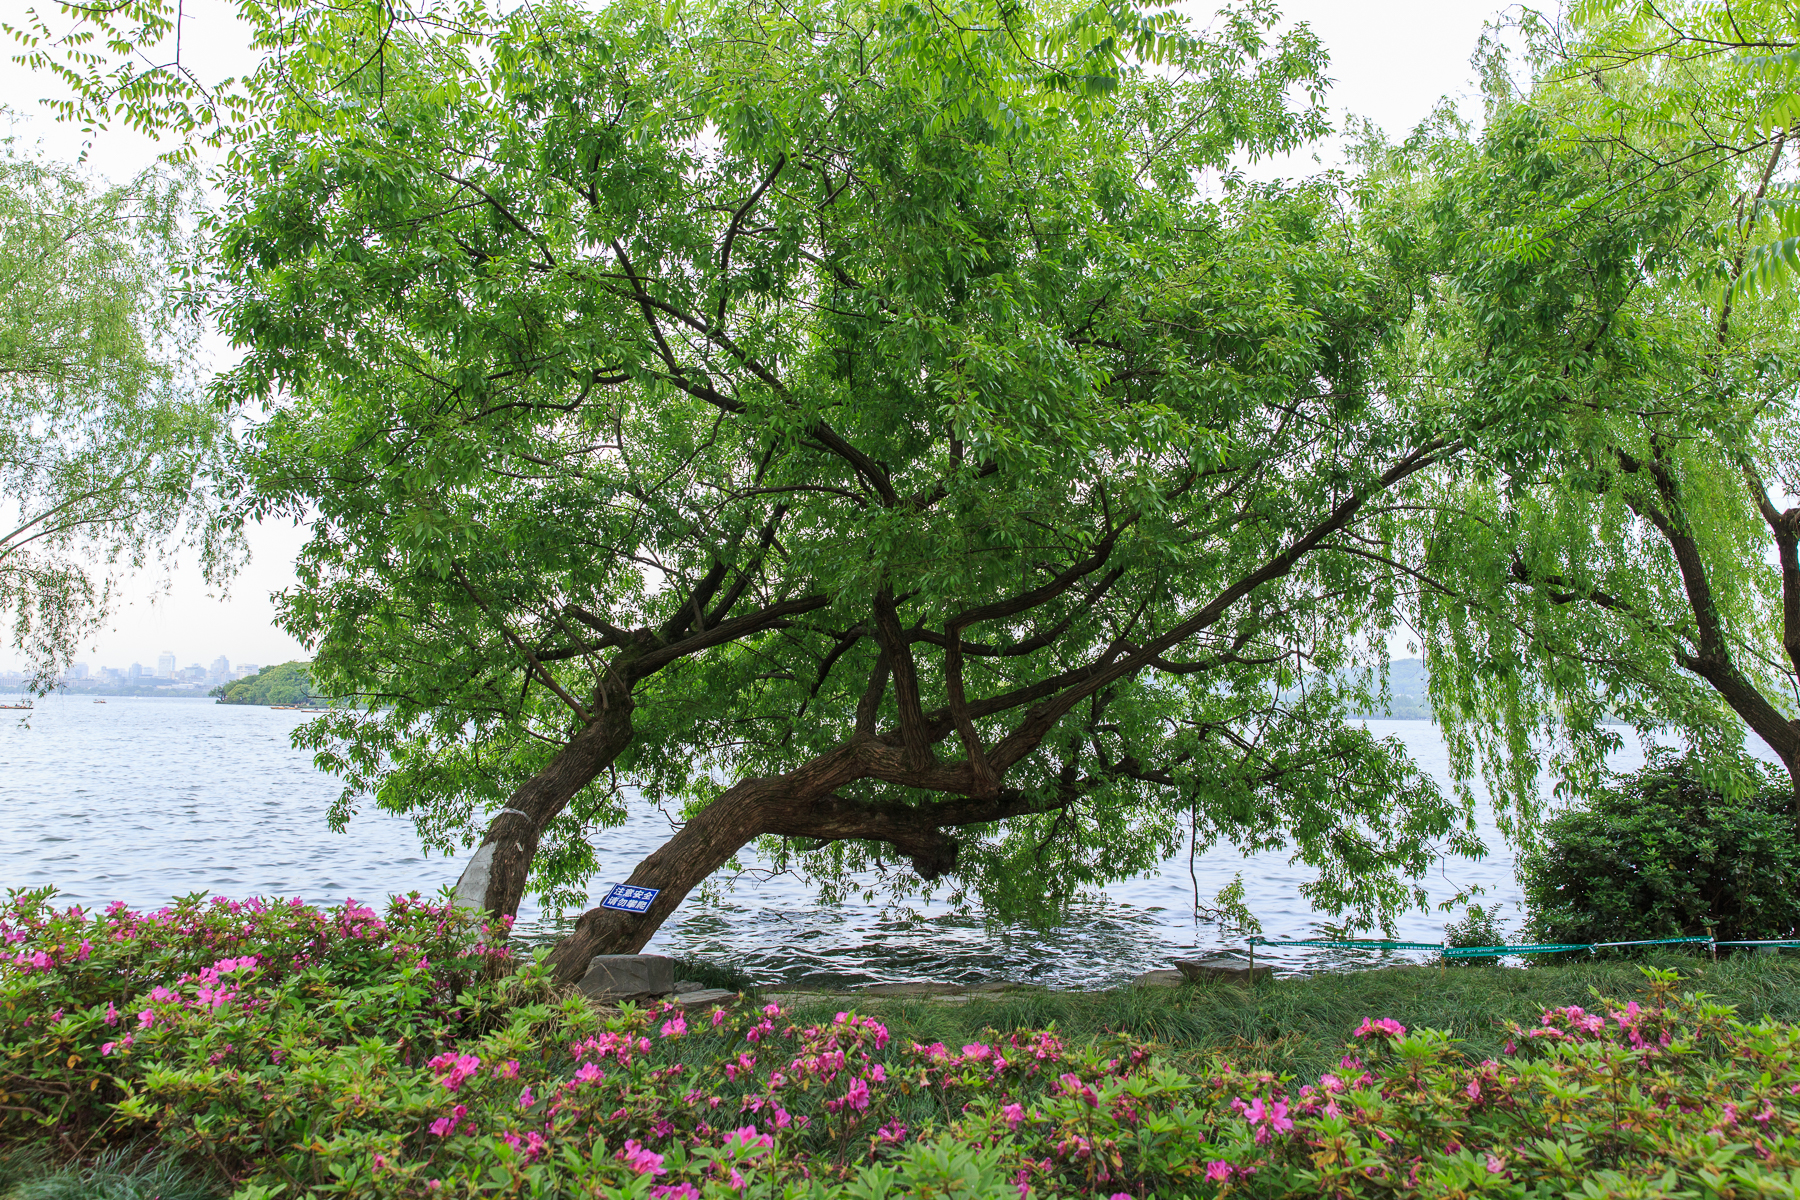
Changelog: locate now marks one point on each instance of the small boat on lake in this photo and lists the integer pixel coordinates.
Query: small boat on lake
(18, 706)
(99, 702)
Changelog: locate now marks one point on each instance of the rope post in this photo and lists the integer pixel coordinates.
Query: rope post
(1444, 957)
(1252, 960)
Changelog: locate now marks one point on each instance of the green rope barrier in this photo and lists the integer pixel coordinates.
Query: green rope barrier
(1776, 942)
(1677, 941)
(1491, 951)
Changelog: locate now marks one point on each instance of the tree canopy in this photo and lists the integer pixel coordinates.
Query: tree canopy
(945, 470)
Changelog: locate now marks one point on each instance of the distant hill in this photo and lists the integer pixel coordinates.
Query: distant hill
(286, 683)
(1408, 681)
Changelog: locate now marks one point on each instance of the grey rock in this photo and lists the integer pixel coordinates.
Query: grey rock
(1165, 979)
(1212, 970)
(915, 988)
(705, 998)
(624, 976)
(688, 985)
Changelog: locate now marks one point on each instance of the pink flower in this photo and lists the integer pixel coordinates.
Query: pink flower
(509, 1070)
(1473, 1091)
(675, 1026)
(1013, 1115)
(1022, 1182)
(748, 1139)
(644, 1162)
(1218, 1171)
(589, 1073)
(858, 1095)
(1385, 1027)
(112, 1014)
(718, 1019)
(891, 1133)
(1266, 1118)
(1495, 1166)
(674, 1191)
(147, 1018)
(443, 1126)
(773, 1010)
(106, 1048)
(526, 1099)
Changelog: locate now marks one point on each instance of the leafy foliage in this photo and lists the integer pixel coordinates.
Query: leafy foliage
(1666, 852)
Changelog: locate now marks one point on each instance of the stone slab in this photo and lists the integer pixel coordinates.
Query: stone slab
(1166, 979)
(914, 988)
(705, 998)
(688, 985)
(624, 976)
(1213, 970)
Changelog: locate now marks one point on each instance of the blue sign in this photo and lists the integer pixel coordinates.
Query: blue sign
(630, 899)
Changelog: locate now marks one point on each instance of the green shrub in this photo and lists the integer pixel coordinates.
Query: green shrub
(288, 1050)
(1479, 927)
(1662, 854)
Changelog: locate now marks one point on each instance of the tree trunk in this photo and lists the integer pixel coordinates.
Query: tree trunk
(802, 803)
(679, 865)
(494, 880)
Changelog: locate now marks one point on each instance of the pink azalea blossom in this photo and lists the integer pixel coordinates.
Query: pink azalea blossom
(1385, 1027)
(748, 1139)
(1013, 1115)
(644, 1162)
(1218, 1171)
(674, 1191)
(675, 1026)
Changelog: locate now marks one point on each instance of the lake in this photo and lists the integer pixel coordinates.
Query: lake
(141, 799)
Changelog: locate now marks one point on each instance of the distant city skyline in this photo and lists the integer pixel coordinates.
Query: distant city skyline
(166, 670)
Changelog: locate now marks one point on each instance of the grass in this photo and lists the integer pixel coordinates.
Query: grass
(118, 1174)
(1299, 1026)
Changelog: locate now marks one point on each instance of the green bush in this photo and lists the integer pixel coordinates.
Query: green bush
(1663, 854)
(288, 1050)
(1479, 927)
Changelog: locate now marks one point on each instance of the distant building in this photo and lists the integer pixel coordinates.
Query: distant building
(220, 670)
(165, 665)
(245, 670)
(78, 671)
(112, 675)
(135, 671)
(192, 673)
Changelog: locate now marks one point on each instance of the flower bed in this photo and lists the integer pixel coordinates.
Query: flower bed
(280, 1046)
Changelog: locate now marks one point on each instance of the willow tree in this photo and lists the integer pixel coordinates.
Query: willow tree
(885, 421)
(1619, 544)
(107, 443)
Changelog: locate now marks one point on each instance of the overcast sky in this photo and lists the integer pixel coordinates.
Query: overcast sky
(1391, 61)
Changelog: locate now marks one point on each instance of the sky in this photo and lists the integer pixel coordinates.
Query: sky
(1391, 61)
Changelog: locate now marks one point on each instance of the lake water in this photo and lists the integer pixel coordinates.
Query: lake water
(140, 799)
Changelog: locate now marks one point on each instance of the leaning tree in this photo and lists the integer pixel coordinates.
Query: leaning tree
(866, 427)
